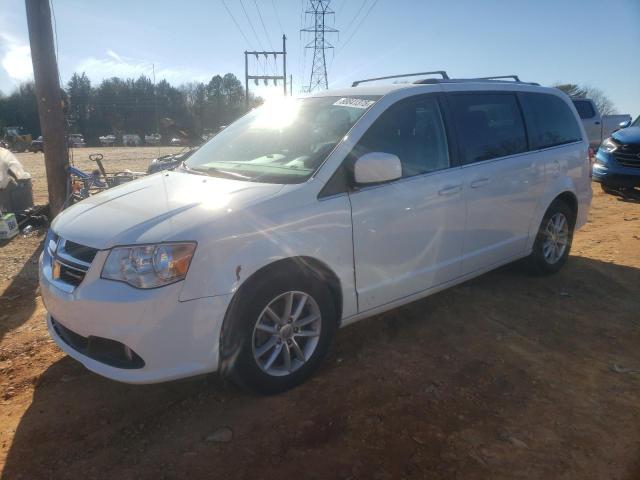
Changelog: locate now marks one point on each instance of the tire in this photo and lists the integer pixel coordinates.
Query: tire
(607, 189)
(245, 340)
(546, 258)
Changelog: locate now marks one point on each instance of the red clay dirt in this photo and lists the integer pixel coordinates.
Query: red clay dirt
(505, 376)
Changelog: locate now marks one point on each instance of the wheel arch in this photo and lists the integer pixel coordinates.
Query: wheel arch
(562, 189)
(298, 265)
(570, 200)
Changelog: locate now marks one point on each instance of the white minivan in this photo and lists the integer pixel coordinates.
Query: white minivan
(308, 214)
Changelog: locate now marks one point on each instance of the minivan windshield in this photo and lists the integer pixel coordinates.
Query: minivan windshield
(282, 141)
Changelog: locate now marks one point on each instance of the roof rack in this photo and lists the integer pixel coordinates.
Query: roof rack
(499, 77)
(437, 72)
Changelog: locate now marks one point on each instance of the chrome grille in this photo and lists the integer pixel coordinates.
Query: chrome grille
(69, 261)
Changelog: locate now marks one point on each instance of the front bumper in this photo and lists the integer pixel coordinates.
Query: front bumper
(174, 339)
(609, 172)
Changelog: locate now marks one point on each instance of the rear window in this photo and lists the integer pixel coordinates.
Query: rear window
(585, 109)
(550, 121)
(489, 125)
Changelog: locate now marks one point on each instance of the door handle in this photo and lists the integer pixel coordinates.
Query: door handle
(450, 190)
(480, 182)
(597, 123)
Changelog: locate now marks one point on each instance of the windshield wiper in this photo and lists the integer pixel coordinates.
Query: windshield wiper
(183, 167)
(213, 172)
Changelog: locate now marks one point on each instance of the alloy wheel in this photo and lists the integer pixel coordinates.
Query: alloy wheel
(286, 333)
(556, 238)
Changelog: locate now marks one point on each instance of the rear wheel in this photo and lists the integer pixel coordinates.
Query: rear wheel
(553, 241)
(283, 326)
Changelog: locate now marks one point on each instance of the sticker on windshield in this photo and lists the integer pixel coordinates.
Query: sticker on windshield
(354, 102)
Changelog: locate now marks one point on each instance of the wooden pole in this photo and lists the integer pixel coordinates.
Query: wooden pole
(50, 108)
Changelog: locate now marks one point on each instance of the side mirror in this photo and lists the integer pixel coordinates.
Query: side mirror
(376, 167)
(624, 124)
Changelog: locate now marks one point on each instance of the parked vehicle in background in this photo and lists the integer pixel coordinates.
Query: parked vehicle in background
(153, 139)
(176, 142)
(131, 140)
(617, 164)
(16, 139)
(309, 214)
(107, 140)
(37, 145)
(598, 127)
(76, 140)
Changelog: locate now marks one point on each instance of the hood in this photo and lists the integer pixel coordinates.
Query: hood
(627, 135)
(166, 206)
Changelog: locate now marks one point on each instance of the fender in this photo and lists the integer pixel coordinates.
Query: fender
(272, 231)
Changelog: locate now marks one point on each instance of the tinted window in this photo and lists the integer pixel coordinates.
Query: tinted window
(489, 125)
(414, 131)
(585, 109)
(549, 120)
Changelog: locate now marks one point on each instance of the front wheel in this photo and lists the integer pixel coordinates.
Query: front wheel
(284, 326)
(553, 241)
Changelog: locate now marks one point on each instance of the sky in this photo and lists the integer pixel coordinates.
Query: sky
(546, 41)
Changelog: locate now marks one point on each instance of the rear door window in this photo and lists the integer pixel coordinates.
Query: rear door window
(585, 109)
(550, 121)
(489, 125)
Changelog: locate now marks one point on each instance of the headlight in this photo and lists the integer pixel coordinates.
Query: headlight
(149, 266)
(609, 145)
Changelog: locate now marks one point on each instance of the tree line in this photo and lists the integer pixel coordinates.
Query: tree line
(603, 103)
(133, 106)
(137, 106)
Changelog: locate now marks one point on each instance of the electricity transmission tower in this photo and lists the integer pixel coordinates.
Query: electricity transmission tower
(319, 9)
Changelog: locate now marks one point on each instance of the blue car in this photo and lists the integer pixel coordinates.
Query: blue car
(617, 164)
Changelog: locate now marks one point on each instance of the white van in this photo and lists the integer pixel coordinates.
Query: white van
(308, 214)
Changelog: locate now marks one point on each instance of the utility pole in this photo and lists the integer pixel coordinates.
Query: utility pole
(320, 10)
(266, 78)
(50, 108)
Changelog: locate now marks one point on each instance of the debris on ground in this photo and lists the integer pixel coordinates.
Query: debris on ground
(618, 369)
(222, 435)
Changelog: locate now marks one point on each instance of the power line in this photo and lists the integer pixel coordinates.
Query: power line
(242, 32)
(302, 56)
(251, 25)
(353, 19)
(237, 24)
(263, 26)
(273, 3)
(357, 27)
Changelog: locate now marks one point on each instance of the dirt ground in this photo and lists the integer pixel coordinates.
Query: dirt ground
(505, 376)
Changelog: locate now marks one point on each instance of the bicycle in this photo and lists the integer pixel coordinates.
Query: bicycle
(81, 185)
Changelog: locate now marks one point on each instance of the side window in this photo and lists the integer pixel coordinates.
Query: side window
(489, 125)
(585, 109)
(413, 130)
(549, 119)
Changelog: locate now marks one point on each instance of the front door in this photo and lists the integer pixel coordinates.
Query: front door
(408, 233)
